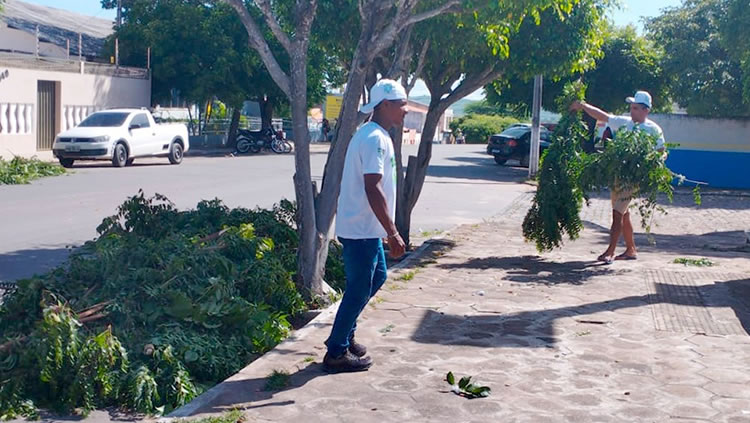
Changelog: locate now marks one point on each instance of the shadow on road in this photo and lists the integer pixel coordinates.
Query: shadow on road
(19, 264)
(480, 168)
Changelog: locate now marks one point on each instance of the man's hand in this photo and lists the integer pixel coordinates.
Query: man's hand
(396, 246)
(576, 106)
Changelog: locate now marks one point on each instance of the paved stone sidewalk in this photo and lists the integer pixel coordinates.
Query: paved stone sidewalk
(556, 336)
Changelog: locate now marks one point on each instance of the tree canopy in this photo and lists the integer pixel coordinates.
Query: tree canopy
(200, 49)
(706, 75)
(627, 62)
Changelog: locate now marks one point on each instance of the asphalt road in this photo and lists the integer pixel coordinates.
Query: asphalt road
(40, 222)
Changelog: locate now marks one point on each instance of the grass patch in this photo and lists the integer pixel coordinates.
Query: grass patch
(234, 416)
(701, 262)
(20, 170)
(277, 380)
(309, 359)
(407, 276)
(429, 234)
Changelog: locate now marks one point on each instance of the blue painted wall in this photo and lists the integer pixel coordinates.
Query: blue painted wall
(720, 169)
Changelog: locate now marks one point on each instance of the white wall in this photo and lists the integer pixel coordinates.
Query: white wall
(78, 95)
(695, 133)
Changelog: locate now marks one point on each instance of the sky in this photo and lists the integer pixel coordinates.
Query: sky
(630, 12)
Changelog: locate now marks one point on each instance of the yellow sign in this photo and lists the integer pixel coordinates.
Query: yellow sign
(333, 106)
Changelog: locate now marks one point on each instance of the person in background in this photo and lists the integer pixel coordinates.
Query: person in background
(640, 106)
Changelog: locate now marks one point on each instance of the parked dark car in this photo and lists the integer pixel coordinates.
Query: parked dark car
(513, 143)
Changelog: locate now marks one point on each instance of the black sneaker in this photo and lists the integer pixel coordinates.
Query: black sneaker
(347, 362)
(356, 348)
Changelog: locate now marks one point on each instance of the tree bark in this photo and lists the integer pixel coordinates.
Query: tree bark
(266, 112)
(416, 170)
(233, 126)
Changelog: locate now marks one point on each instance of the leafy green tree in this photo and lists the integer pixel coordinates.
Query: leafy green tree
(706, 77)
(291, 25)
(199, 50)
(628, 62)
(468, 51)
(735, 33)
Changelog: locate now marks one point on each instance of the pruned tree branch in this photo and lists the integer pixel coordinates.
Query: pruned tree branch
(259, 43)
(273, 23)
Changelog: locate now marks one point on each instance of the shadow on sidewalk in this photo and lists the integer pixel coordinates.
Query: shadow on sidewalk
(535, 328)
(242, 393)
(714, 244)
(534, 269)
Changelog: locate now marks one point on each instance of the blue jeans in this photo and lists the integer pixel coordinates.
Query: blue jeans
(364, 265)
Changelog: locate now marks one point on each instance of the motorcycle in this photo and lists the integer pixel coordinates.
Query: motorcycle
(268, 138)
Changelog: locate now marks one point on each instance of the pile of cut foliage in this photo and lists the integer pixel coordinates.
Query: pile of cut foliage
(567, 176)
(162, 305)
(20, 170)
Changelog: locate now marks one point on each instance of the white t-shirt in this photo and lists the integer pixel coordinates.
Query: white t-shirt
(370, 151)
(617, 122)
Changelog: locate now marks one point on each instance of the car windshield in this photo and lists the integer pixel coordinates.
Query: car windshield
(105, 120)
(516, 131)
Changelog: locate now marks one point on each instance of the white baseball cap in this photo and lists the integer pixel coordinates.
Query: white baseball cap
(640, 97)
(385, 89)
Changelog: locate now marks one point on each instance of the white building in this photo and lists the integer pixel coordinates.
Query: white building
(42, 91)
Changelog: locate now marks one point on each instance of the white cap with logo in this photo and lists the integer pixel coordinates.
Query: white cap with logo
(385, 89)
(640, 97)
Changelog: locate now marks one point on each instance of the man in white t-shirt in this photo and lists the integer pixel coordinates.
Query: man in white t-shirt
(365, 216)
(640, 106)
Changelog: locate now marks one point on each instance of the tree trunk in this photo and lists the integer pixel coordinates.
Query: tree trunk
(310, 267)
(233, 126)
(266, 112)
(417, 170)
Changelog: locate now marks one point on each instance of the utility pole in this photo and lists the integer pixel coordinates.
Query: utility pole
(119, 14)
(535, 130)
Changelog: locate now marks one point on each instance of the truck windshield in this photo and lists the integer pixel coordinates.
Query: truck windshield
(105, 119)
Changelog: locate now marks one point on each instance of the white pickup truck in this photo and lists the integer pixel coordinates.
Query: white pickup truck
(121, 135)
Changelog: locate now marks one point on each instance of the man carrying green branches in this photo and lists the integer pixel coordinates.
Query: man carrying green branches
(640, 106)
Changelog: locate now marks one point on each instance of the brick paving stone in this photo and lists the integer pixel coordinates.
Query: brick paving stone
(556, 336)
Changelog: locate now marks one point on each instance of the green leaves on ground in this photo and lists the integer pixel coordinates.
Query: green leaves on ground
(20, 170)
(701, 262)
(162, 305)
(465, 388)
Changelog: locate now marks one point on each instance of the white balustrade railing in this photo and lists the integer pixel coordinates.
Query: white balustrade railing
(73, 115)
(16, 118)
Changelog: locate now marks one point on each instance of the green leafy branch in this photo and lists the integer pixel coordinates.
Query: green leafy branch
(465, 388)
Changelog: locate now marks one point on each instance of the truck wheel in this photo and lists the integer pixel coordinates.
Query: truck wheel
(67, 163)
(175, 153)
(499, 160)
(120, 157)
